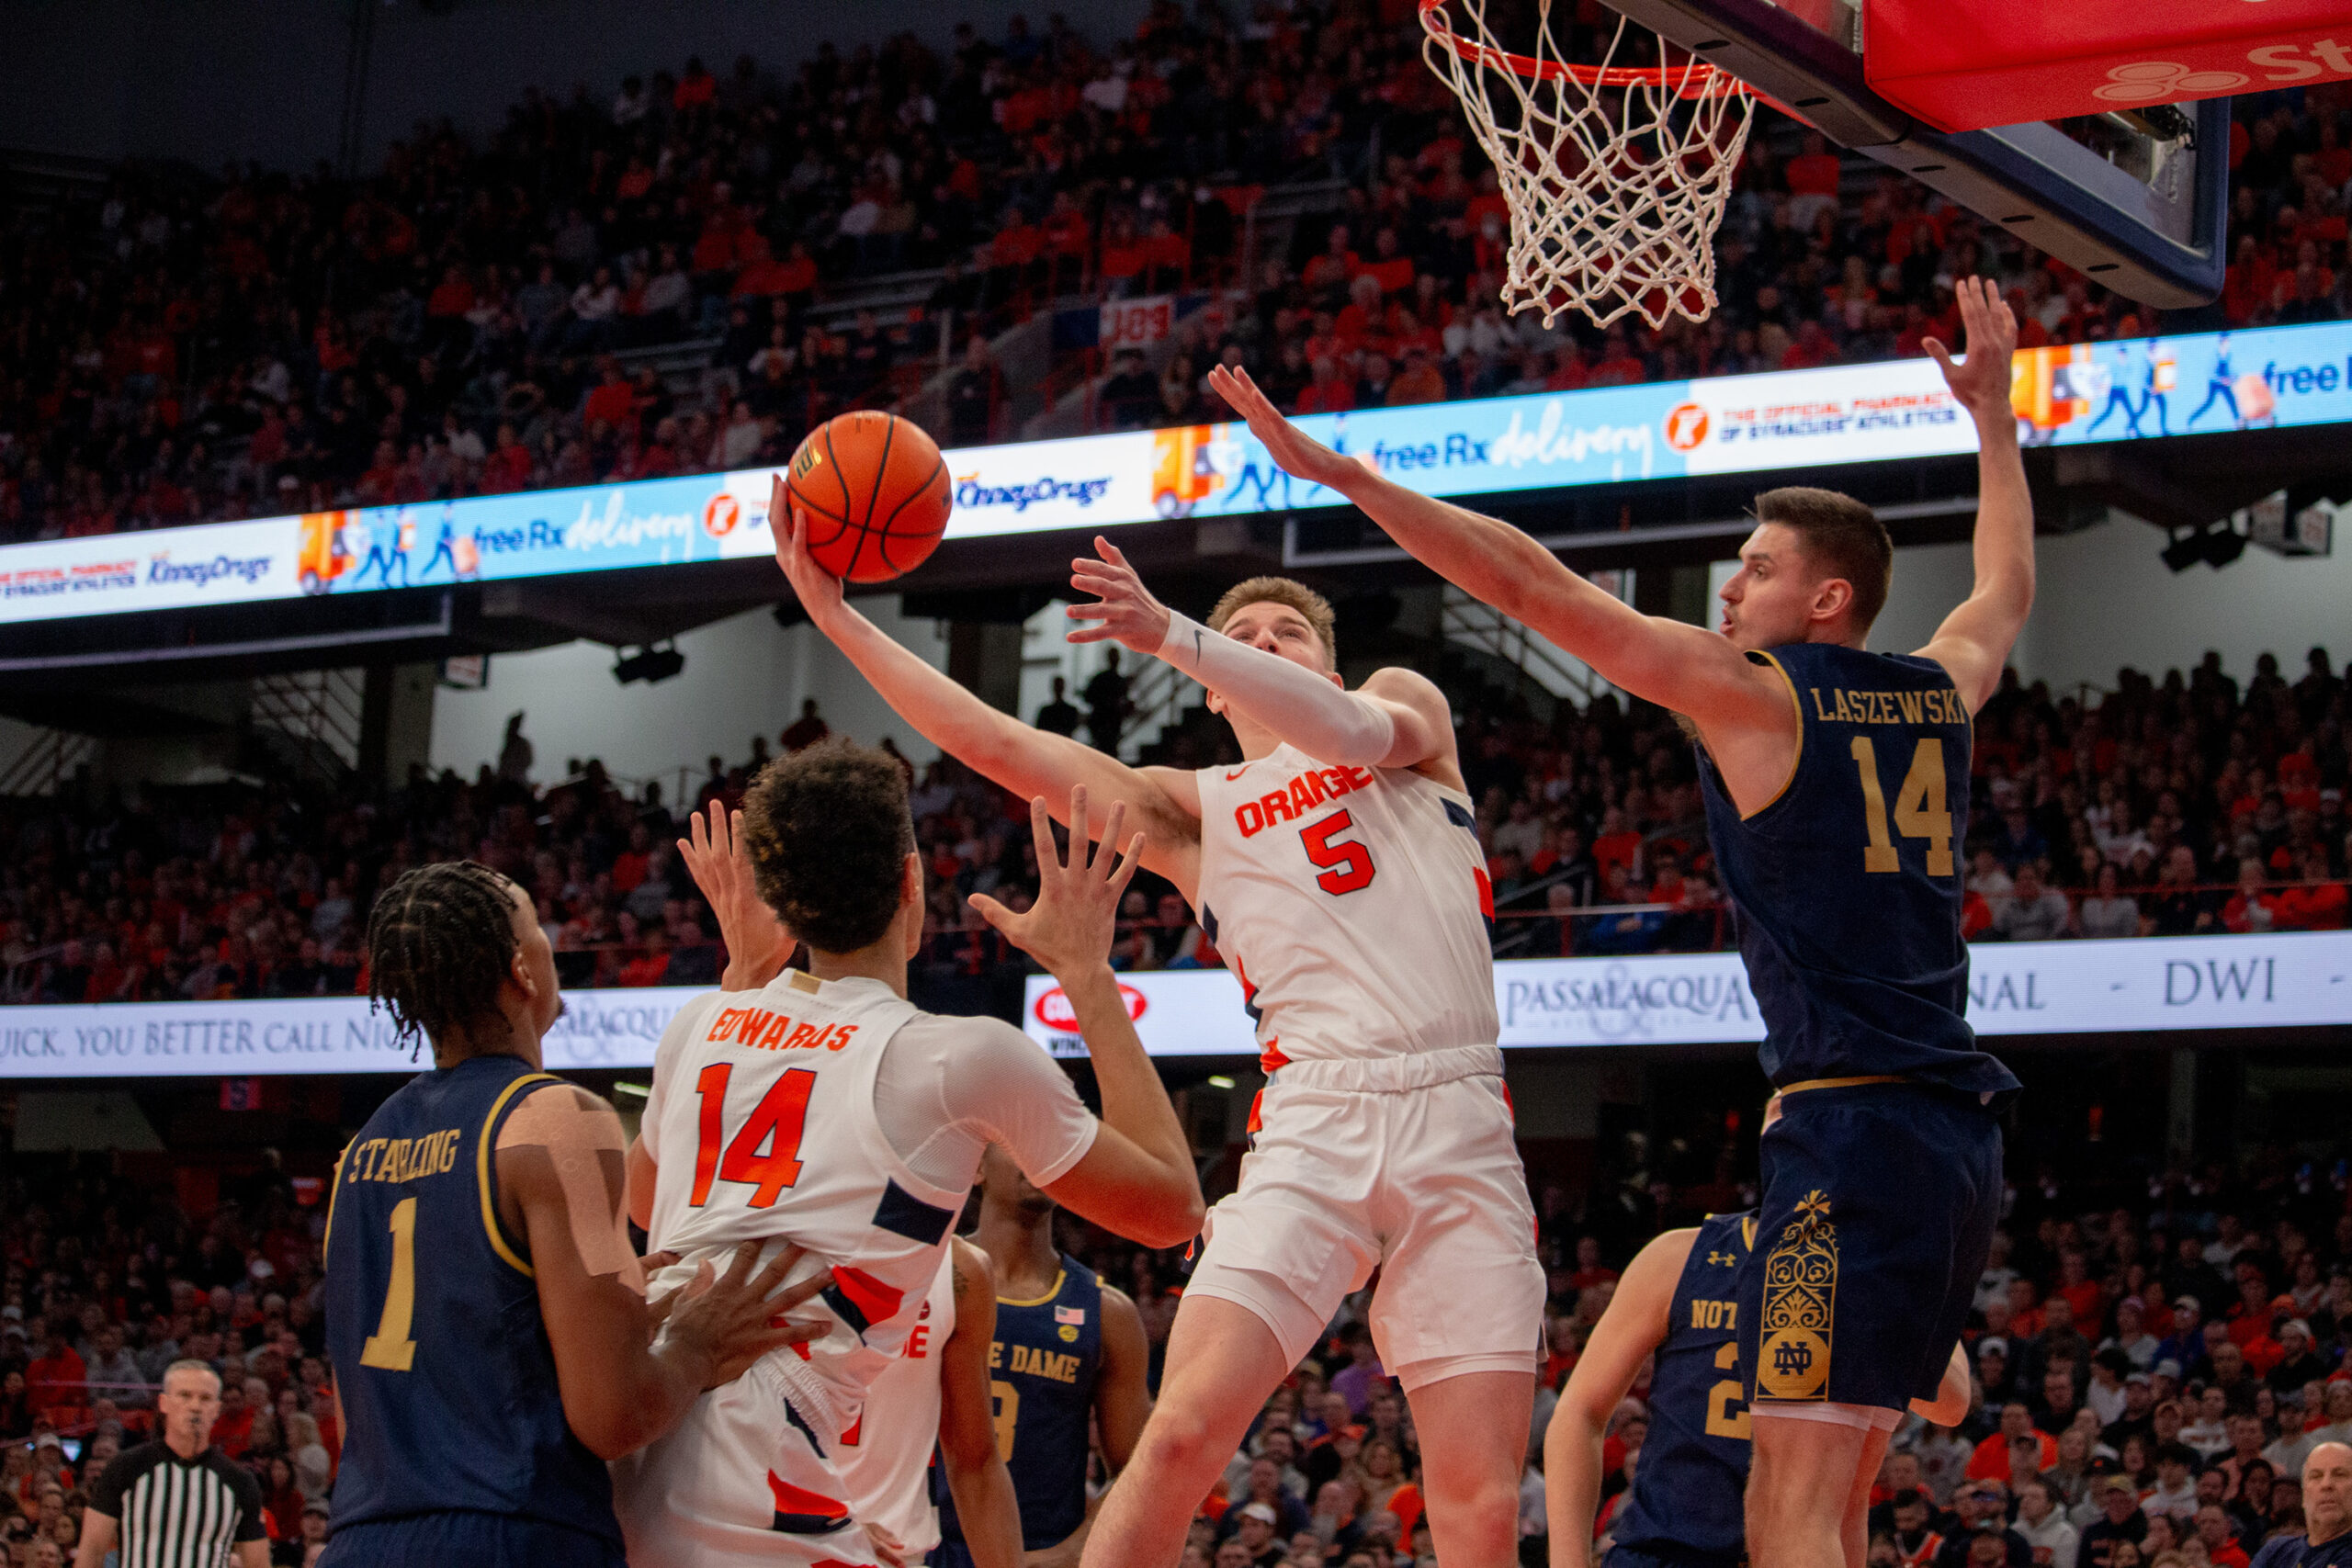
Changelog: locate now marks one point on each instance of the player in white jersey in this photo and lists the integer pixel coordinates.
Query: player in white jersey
(936, 1394)
(1344, 882)
(826, 1111)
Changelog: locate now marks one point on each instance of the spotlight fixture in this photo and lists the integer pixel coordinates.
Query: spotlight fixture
(649, 665)
(2216, 543)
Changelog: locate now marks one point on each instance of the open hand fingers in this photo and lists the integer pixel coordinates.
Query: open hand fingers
(739, 1266)
(1125, 872)
(1106, 849)
(1041, 832)
(777, 1267)
(1078, 837)
(998, 917)
(784, 1300)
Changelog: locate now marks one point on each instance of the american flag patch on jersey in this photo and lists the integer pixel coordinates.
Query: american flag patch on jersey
(1070, 1315)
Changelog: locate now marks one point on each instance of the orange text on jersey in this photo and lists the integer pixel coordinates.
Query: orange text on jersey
(1306, 791)
(1844, 706)
(765, 1031)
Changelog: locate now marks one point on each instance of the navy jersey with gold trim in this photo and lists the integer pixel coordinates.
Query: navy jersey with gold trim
(1848, 885)
(1693, 1472)
(1041, 1380)
(447, 1380)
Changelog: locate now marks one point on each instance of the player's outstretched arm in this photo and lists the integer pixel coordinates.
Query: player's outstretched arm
(1023, 758)
(560, 1177)
(1685, 668)
(1634, 1325)
(1137, 1179)
(1399, 719)
(977, 1479)
(1974, 643)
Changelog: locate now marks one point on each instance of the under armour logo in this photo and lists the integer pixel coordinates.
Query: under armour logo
(1792, 1358)
(1725, 1259)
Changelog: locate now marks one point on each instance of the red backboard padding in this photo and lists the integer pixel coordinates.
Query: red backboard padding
(1966, 64)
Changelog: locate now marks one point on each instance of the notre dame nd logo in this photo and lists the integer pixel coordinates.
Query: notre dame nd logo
(1800, 1305)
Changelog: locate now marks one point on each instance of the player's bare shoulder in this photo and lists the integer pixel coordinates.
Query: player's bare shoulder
(972, 1276)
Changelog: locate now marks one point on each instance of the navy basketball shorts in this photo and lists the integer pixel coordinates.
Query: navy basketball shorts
(950, 1554)
(1631, 1557)
(1879, 1203)
(466, 1538)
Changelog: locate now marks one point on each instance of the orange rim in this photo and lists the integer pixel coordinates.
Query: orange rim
(1696, 80)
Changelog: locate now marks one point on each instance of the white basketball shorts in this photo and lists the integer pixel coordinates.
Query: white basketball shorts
(743, 1480)
(1406, 1164)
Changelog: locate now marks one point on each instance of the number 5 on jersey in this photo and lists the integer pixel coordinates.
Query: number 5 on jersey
(1348, 866)
(776, 1122)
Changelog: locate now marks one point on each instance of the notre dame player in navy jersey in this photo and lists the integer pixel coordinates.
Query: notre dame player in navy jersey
(485, 1314)
(1070, 1354)
(1679, 1301)
(1836, 793)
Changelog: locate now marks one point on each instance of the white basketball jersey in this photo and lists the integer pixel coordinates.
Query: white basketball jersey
(885, 1458)
(1352, 903)
(762, 1127)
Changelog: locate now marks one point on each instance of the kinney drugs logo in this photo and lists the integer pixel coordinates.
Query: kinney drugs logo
(970, 491)
(162, 567)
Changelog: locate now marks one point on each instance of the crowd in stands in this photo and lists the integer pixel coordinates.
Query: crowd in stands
(2184, 806)
(2156, 1351)
(197, 349)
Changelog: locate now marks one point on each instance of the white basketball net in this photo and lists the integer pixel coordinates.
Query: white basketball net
(1616, 176)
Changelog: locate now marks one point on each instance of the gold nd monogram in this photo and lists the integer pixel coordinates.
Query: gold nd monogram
(1800, 1306)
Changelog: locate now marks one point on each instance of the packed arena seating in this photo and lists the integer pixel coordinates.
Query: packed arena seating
(192, 348)
(2126, 1308)
(2192, 805)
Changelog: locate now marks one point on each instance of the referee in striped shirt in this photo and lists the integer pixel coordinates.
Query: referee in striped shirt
(179, 1503)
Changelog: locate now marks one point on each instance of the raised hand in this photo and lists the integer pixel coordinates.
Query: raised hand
(758, 945)
(820, 590)
(1125, 612)
(1069, 929)
(1299, 453)
(1981, 382)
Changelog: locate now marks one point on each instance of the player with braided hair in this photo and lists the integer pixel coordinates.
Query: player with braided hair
(486, 1314)
(439, 941)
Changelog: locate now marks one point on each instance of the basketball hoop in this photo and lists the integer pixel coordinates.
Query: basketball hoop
(1616, 176)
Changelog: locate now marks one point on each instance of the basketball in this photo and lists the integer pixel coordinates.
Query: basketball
(875, 495)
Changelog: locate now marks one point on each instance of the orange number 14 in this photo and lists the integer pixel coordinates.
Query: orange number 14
(776, 1122)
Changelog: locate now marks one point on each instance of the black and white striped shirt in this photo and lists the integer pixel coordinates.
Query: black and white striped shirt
(175, 1512)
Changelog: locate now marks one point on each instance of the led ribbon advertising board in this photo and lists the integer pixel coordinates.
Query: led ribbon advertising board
(2142, 388)
(2151, 984)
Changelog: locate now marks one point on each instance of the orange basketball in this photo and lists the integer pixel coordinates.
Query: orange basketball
(876, 493)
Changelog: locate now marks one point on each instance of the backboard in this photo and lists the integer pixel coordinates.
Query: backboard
(2137, 201)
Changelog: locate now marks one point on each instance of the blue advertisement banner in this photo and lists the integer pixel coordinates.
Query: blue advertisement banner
(2147, 388)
